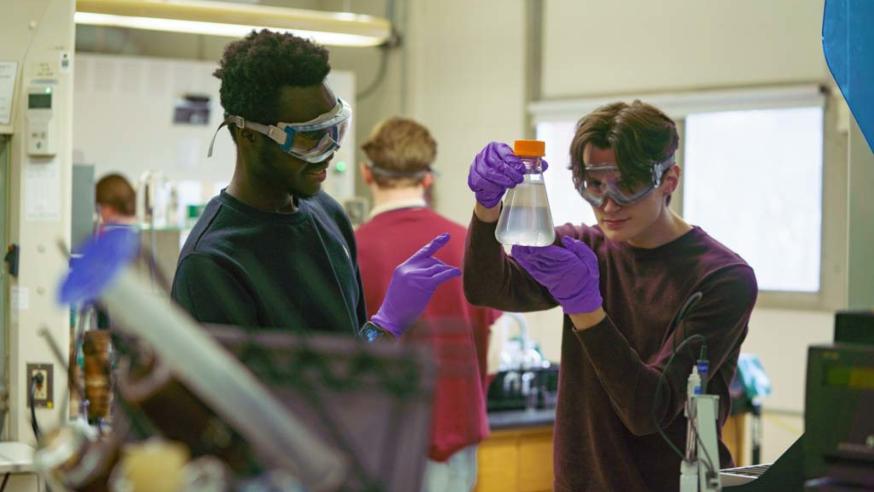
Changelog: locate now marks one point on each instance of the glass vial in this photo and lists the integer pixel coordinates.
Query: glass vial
(525, 219)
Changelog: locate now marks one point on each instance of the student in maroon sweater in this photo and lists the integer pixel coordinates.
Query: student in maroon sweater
(401, 152)
(623, 285)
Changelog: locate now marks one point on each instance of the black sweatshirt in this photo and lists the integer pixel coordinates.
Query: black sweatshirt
(247, 267)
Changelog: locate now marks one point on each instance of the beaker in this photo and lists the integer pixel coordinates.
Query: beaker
(525, 218)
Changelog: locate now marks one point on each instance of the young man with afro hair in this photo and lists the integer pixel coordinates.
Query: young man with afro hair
(273, 250)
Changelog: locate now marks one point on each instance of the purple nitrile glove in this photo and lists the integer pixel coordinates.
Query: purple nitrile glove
(411, 286)
(492, 171)
(570, 273)
(495, 169)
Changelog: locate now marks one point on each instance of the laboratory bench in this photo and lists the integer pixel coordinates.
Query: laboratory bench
(521, 418)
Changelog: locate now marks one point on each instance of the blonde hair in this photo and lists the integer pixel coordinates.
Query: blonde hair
(400, 151)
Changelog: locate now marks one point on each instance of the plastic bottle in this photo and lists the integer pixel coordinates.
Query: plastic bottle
(525, 218)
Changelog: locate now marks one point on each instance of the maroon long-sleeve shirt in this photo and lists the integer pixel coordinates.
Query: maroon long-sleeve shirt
(606, 438)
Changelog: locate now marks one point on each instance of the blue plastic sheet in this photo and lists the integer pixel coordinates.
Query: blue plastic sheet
(102, 258)
(848, 45)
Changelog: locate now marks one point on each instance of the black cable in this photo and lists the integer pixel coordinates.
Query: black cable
(709, 462)
(5, 480)
(380, 75)
(681, 314)
(30, 397)
(658, 393)
(693, 416)
(393, 42)
(705, 377)
(757, 431)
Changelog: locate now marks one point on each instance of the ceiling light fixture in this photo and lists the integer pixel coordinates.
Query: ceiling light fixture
(235, 20)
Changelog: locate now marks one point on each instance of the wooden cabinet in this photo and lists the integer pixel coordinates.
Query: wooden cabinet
(516, 460)
(734, 437)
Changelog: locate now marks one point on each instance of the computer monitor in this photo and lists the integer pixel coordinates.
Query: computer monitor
(839, 402)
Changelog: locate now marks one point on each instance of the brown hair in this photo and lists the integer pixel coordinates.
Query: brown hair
(114, 191)
(640, 134)
(400, 151)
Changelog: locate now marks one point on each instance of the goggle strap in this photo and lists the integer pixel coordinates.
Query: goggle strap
(278, 135)
(659, 168)
(272, 132)
(608, 167)
(212, 142)
(399, 174)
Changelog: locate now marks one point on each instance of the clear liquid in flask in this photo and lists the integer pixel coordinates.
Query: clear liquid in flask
(525, 219)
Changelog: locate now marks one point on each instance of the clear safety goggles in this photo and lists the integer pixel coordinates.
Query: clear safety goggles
(605, 180)
(312, 141)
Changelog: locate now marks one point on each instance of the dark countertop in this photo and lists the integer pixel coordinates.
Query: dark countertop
(514, 419)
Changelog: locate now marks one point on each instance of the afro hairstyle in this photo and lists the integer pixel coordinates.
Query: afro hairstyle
(255, 68)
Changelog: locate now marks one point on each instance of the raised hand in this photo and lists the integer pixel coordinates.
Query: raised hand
(570, 273)
(411, 287)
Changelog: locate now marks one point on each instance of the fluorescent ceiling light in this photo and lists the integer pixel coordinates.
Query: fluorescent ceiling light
(234, 20)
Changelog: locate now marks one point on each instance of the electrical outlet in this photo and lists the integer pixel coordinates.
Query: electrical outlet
(41, 376)
(40, 391)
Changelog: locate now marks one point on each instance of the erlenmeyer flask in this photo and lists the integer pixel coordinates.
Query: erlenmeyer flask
(525, 218)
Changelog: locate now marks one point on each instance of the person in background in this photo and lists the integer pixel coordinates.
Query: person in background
(637, 287)
(116, 206)
(116, 202)
(400, 154)
(273, 250)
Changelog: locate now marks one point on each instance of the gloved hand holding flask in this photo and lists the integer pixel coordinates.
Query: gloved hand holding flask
(411, 287)
(570, 273)
(493, 171)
